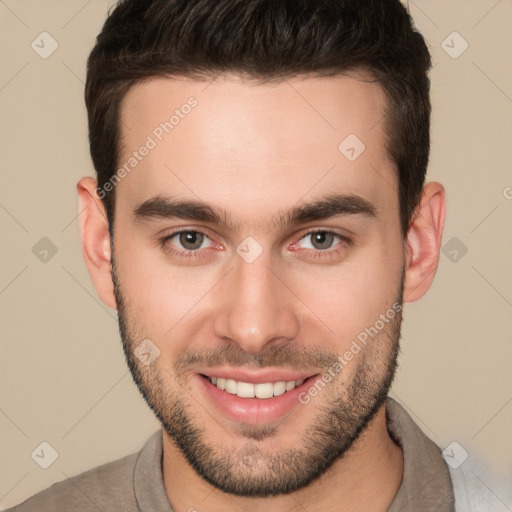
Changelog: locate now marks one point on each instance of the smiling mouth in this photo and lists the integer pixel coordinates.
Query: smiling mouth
(262, 390)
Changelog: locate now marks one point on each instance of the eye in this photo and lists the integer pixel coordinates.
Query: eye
(189, 240)
(320, 240)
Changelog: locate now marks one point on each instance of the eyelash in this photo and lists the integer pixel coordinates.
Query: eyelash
(327, 253)
(344, 242)
(184, 253)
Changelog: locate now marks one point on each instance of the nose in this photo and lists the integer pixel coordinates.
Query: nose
(255, 308)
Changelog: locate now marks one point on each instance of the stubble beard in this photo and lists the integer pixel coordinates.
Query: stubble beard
(250, 470)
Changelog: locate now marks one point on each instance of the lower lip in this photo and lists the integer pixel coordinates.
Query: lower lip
(254, 410)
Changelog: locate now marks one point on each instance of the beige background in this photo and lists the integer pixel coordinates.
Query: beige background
(63, 376)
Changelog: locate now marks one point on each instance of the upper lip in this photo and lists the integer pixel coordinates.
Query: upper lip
(259, 376)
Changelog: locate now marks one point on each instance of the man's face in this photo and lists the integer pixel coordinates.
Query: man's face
(258, 287)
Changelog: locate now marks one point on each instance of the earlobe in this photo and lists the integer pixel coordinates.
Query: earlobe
(96, 240)
(423, 242)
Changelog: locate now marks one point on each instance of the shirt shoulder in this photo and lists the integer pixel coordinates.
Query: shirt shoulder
(108, 487)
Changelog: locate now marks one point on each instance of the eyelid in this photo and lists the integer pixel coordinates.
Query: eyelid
(343, 238)
(167, 246)
(171, 232)
(313, 230)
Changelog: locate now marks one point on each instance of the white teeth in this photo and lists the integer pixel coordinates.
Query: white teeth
(290, 385)
(279, 388)
(248, 390)
(264, 390)
(245, 390)
(231, 386)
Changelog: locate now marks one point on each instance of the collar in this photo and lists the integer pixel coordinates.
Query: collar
(426, 485)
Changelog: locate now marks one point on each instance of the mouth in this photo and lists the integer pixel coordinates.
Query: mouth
(262, 390)
(254, 399)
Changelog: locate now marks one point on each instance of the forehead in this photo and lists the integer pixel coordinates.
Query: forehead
(254, 148)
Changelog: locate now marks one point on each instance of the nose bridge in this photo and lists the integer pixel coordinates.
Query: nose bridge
(256, 308)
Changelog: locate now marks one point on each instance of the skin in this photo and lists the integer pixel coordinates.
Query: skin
(257, 151)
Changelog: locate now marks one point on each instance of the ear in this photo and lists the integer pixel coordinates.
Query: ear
(423, 242)
(96, 240)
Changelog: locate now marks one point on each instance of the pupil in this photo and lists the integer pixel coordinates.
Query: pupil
(191, 239)
(322, 240)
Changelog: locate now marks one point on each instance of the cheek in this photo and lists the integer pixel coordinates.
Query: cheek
(160, 297)
(352, 297)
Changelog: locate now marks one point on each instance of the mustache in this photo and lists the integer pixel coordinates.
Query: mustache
(284, 356)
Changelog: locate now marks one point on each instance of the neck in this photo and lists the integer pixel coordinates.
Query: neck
(367, 477)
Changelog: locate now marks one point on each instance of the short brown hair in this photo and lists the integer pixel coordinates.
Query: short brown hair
(266, 40)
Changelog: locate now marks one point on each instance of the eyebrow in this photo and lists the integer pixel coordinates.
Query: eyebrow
(166, 208)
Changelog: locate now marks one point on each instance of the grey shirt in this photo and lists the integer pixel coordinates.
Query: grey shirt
(135, 483)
